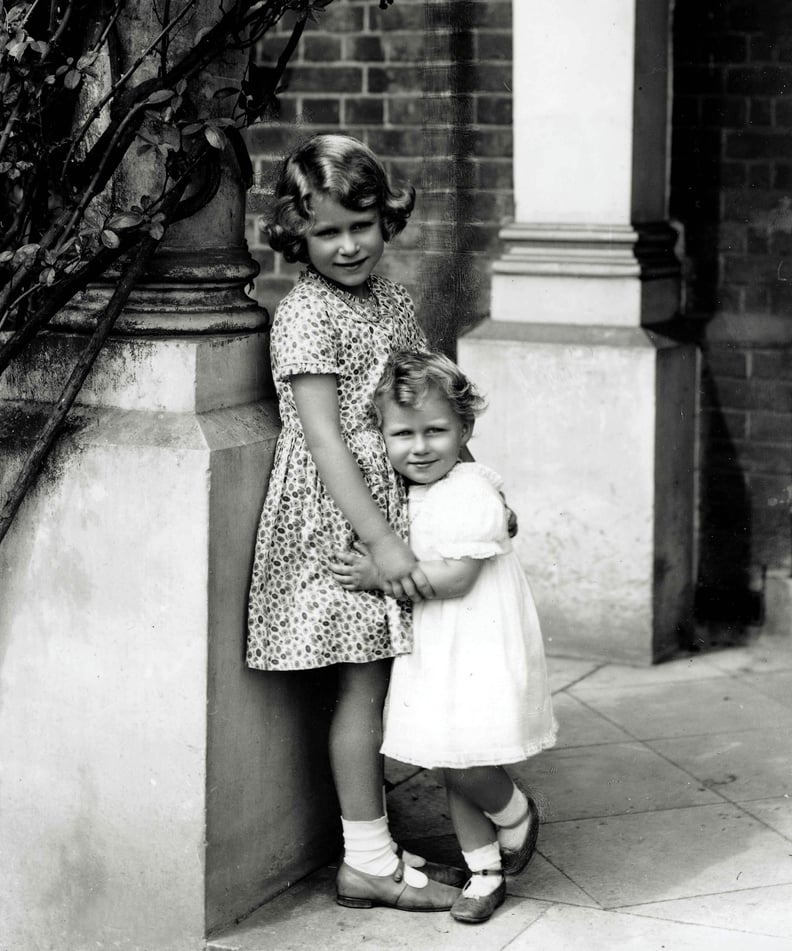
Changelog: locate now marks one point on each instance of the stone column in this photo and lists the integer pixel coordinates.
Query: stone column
(592, 397)
(152, 789)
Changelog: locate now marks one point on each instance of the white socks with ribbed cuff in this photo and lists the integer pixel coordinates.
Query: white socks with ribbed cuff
(486, 857)
(409, 859)
(368, 848)
(511, 814)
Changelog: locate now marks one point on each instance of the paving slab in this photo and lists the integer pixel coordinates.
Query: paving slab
(764, 656)
(717, 705)
(766, 911)
(544, 882)
(579, 725)
(728, 763)
(417, 809)
(774, 684)
(658, 856)
(563, 928)
(667, 823)
(562, 672)
(608, 780)
(775, 813)
(306, 916)
(396, 772)
(680, 670)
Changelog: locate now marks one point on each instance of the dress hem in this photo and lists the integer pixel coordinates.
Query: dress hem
(464, 760)
(330, 663)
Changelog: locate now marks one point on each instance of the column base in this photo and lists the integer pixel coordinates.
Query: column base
(606, 274)
(592, 429)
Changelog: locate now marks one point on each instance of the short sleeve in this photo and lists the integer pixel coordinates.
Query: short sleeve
(303, 337)
(469, 517)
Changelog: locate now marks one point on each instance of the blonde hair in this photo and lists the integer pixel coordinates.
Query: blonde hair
(409, 376)
(343, 168)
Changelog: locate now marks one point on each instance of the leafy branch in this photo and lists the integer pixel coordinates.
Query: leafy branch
(50, 189)
(62, 142)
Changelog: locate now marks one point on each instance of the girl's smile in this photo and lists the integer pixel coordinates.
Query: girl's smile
(423, 443)
(344, 245)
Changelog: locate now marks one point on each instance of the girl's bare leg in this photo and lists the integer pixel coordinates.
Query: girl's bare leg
(471, 827)
(356, 737)
(470, 792)
(368, 875)
(488, 787)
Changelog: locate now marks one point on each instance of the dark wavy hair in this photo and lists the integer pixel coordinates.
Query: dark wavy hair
(344, 169)
(410, 376)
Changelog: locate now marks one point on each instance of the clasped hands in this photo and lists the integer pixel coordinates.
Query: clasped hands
(387, 565)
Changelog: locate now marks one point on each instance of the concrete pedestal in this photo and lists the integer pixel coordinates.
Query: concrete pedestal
(152, 789)
(592, 429)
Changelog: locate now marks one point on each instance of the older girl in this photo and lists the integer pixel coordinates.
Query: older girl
(331, 484)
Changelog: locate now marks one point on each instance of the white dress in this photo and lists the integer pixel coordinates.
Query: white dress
(474, 690)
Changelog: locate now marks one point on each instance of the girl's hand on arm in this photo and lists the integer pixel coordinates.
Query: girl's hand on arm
(395, 564)
(444, 578)
(356, 571)
(316, 399)
(424, 586)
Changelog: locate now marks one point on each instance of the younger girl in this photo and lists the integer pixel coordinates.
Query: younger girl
(473, 694)
(332, 484)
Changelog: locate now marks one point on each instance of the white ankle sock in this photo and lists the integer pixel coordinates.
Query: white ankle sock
(486, 857)
(367, 848)
(410, 859)
(513, 811)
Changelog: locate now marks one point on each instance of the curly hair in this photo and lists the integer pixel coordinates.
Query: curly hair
(343, 168)
(409, 376)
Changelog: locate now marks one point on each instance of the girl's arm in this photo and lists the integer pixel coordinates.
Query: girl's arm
(316, 399)
(451, 577)
(448, 577)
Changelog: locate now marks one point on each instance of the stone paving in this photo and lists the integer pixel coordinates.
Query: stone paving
(667, 823)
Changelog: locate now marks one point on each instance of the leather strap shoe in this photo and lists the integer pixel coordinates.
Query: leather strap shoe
(444, 874)
(356, 889)
(515, 860)
(472, 910)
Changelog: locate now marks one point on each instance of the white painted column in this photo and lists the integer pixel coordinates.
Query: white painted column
(590, 242)
(591, 413)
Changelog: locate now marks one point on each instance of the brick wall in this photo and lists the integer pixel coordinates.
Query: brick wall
(427, 85)
(732, 189)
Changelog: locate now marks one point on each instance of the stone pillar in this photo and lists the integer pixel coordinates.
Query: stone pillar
(152, 789)
(592, 399)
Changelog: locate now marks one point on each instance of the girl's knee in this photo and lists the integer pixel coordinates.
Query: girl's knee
(474, 776)
(370, 676)
(364, 684)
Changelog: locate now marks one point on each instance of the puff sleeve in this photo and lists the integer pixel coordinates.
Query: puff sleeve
(303, 337)
(468, 517)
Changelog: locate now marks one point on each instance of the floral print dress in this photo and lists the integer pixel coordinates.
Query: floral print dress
(299, 617)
